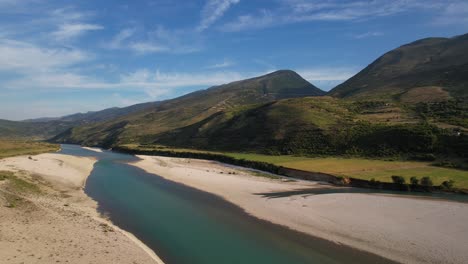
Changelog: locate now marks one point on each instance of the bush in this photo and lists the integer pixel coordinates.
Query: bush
(448, 185)
(423, 157)
(400, 180)
(342, 180)
(427, 182)
(414, 181)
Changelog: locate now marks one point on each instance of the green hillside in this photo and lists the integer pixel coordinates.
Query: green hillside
(427, 70)
(144, 126)
(317, 125)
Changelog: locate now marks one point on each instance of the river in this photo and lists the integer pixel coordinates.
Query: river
(184, 225)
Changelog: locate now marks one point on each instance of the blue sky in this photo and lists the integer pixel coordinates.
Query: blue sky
(62, 57)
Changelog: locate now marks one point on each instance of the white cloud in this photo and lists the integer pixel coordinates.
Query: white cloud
(147, 47)
(225, 64)
(453, 14)
(147, 79)
(69, 31)
(368, 35)
(68, 14)
(34, 67)
(117, 40)
(26, 57)
(264, 19)
(294, 11)
(160, 40)
(214, 10)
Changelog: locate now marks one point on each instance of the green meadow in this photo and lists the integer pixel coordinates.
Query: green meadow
(380, 170)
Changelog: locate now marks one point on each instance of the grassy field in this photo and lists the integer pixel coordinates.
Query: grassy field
(367, 169)
(10, 148)
(361, 168)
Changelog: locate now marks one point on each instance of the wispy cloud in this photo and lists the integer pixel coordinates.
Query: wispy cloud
(453, 14)
(262, 19)
(147, 47)
(117, 42)
(69, 31)
(225, 64)
(25, 57)
(214, 10)
(157, 83)
(36, 67)
(295, 11)
(67, 14)
(160, 40)
(368, 34)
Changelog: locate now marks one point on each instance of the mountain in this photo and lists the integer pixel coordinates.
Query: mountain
(143, 126)
(412, 100)
(427, 70)
(274, 127)
(44, 128)
(96, 116)
(316, 125)
(31, 130)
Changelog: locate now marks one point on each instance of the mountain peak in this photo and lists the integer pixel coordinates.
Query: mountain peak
(440, 63)
(284, 84)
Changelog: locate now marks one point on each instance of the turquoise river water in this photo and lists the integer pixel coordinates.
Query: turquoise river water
(184, 225)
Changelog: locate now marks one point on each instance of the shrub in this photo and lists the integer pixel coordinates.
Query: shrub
(398, 180)
(448, 185)
(342, 180)
(423, 157)
(426, 182)
(375, 184)
(414, 181)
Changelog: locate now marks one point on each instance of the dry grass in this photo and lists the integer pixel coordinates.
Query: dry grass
(11, 148)
(425, 94)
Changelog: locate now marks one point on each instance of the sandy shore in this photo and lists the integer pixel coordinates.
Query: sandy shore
(93, 149)
(57, 222)
(400, 228)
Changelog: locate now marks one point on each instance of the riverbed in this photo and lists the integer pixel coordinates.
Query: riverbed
(184, 225)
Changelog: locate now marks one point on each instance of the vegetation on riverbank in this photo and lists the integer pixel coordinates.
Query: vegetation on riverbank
(378, 170)
(11, 148)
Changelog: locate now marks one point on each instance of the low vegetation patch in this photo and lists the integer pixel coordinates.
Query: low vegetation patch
(265, 175)
(16, 184)
(11, 148)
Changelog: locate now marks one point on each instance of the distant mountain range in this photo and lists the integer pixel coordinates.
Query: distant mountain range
(95, 116)
(418, 90)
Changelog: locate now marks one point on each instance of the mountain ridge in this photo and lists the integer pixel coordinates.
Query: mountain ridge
(429, 62)
(191, 108)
